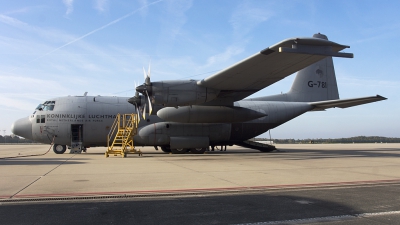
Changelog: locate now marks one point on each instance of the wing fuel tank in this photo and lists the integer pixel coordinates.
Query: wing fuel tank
(208, 114)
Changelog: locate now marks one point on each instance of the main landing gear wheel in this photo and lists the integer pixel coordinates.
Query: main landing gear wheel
(166, 149)
(198, 150)
(178, 150)
(59, 149)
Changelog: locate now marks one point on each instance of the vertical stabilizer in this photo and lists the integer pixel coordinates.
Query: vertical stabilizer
(316, 82)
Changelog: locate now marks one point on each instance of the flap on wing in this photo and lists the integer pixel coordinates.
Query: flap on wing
(273, 64)
(345, 103)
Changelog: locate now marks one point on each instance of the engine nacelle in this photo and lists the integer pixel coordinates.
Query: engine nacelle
(181, 93)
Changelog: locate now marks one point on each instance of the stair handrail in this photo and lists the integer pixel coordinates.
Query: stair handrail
(128, 123)
(113, 130)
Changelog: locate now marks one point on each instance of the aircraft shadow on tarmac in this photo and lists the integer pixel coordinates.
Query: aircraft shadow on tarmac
(289, 154)
(219, 209)
(38, 161)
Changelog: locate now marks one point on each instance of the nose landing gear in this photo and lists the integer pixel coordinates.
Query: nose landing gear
(59, 149)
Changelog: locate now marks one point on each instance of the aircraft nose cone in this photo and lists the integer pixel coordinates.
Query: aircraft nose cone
(23, 128)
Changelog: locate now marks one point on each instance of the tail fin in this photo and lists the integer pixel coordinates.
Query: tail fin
(316, 82)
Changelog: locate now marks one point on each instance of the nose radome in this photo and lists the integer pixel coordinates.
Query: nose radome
(23, 128)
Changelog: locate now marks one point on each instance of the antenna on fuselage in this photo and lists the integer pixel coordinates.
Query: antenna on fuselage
(85, 94)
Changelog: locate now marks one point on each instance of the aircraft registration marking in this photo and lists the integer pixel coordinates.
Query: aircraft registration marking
(318, 84)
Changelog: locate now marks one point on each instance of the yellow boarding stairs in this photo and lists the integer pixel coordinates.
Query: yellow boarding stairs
(122, 132)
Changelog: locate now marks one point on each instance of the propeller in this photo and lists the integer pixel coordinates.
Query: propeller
(147, 76)
(144, 111)
(150, 105)
(145, 90)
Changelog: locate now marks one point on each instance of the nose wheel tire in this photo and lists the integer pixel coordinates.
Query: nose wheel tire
(59, 149)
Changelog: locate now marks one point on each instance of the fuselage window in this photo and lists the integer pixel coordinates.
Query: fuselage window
(43, 119)
(37, 118)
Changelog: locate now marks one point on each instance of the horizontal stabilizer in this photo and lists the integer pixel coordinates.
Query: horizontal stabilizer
(345, 103)
(315, 50)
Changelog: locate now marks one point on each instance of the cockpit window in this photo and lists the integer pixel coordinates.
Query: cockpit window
(46, 106)
(40, 107)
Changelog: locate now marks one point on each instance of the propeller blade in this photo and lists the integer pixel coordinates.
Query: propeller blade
(147, 77)
(144, 112)
(137, 112)
(148, 72)
(150, 105)
(144, 72)
(138, 115)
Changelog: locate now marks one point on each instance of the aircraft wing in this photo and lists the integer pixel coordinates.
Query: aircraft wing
(345, 103)
(269, 66)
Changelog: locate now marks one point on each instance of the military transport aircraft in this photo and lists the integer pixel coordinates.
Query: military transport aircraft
(191, 115)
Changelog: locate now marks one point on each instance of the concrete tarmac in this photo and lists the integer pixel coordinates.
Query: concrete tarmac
(327, 183)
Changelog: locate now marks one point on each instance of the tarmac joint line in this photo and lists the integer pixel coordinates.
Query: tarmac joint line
(12, 196)
(200, 172)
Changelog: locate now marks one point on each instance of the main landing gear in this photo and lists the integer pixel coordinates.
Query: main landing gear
(179, 150)
(167, 149)
(198, 150)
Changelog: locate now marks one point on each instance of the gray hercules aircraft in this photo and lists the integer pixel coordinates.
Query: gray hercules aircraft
(192, 115)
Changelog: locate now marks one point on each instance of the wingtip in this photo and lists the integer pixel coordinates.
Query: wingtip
(381, 97)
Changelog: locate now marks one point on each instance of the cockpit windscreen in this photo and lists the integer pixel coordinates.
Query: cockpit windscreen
(46, 106)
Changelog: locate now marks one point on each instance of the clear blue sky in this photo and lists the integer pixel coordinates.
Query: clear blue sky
(66, 47)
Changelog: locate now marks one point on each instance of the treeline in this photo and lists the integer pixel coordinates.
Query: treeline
(14, 139)
(359, 139)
